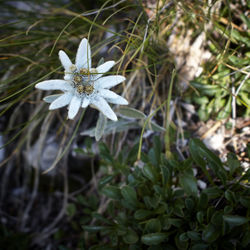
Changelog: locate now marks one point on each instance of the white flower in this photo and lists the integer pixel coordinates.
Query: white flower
(83, 85)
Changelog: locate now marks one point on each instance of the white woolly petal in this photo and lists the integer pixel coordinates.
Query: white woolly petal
(83, 55)
(51, 98)
(105, 67)
(74, 107)
(119, 100)
(102, 69)
(54, 85)
(103, 106)
(61, 101)
(68, 77)
(105, 93)
(85, 102)
(108, 81)
(66, 62)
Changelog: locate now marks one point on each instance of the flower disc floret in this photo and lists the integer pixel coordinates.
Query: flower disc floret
(84, 72)
(72, 68)
(77, 79)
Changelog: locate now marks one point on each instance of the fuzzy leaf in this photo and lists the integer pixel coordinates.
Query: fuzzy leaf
(93, 229)
(131, 237)
(154, 127)
(235, 220)
(142, 214)
(101, 61)
(153, 239)
(129, 195)
(153, 226)
(188, 183)
(112, 192)
(210, 233)
(226, 111)
(132, 113)
(100, 126)
(206, 89)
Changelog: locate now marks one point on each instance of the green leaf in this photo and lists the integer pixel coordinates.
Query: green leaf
(200, 246)
(183, 237)
(203, 201)
(71, 209)
(210, 234)
(129, 195)
(105, 180)
(94, 229)
(175, 222)
(235, 220)
(100, 126)
(153, 238)
(188, 183)
(165, 174)
(221, 173)
(101, 218)
(217, 219)
(132, 113)
(245, 201)
(189, 204)
(228, 209)
(105, 153)
(226, 111)
(101, 61)
(153, 226)
(219, 103)
(149, 173)
(201, 100)
(121, 229)
(245, 20)
(232, 162)
(97, 247)
(205, 89)
(194, 151)
(246, 239)
(245, 99)
(151, 202)
(199, 217)
(203, 112)
(201, 154)
(230, 196)
(205, 152)
(237, 35)
(212, 192)
(179, 241)
(154, 127)
(157, 149)
(119, 126)
(131, 237)
(152, 157)
(193, 235)
(141, 214)
(112, 192)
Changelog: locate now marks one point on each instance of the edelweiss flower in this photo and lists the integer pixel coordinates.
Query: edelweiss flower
(83, 85)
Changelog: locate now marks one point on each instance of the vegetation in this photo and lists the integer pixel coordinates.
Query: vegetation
(146, 181)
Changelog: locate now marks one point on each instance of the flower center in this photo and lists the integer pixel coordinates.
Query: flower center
(83, 81)
(84, 89)
(84, 72)
(77, 79)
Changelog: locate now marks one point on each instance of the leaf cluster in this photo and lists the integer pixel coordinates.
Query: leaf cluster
(227, 77)
(159, 205)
